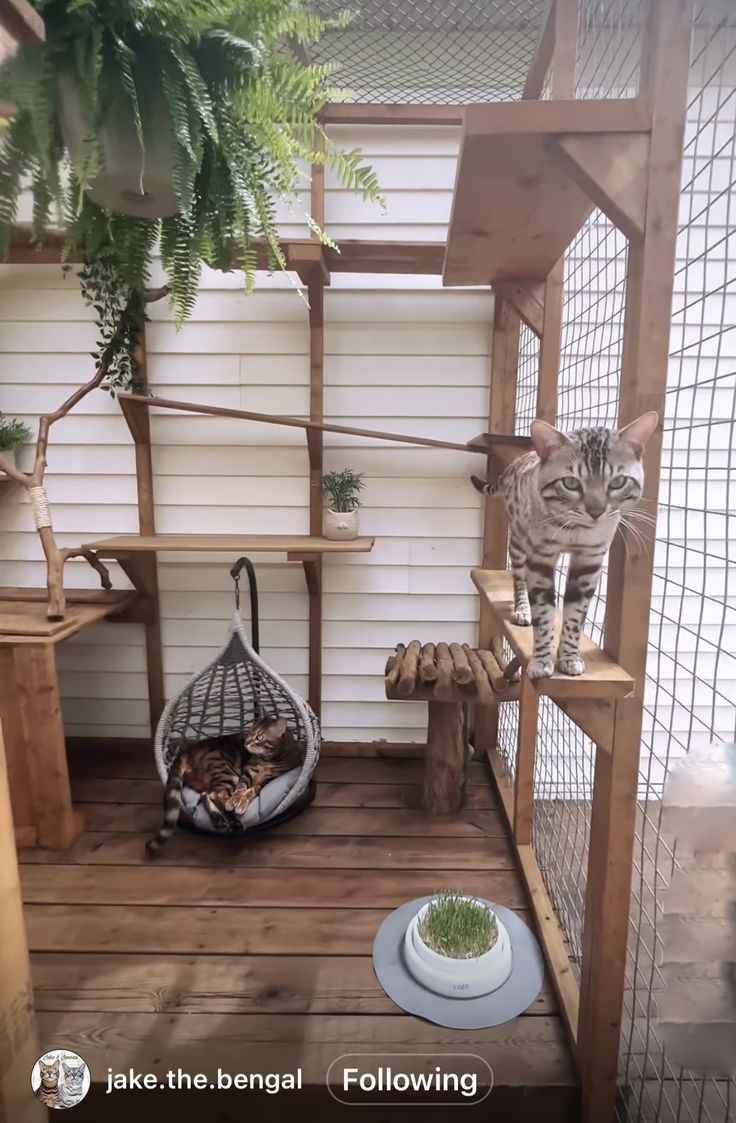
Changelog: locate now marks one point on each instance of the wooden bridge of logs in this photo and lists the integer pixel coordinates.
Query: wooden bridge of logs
(447, 676)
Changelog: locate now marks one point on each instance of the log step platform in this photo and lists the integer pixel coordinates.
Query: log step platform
(446, 675)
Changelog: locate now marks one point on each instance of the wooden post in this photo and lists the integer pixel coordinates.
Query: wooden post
(37, 750)
(315, 443)
(643, 384)
(147, 563)
(525, 753)
(444, 763)
(19, 1049)
(561, 85)
(501, 414)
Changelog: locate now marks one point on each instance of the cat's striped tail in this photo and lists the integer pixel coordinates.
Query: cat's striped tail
(483, 486)
(172, 808)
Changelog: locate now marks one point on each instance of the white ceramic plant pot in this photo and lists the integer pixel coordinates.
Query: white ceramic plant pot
(457, 978)
(10, 454)
(340, 525)
(117, 187)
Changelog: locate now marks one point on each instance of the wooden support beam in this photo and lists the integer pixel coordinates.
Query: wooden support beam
(22, 22)
(664, 78)
(537, 73)
(387, 257)
(565, 14)
(339, 113)
(145, 566)
(20, 1041)
(527, 298)
(313, 575)
(302, 256)
(594, 716)
(525, 754)
(552, 939)
(126, 400)
(561, 85)
(612, 170)
(315, 446)
(501, 413)
(550, 345)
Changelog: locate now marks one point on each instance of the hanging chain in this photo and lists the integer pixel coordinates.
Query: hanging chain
(237, 592)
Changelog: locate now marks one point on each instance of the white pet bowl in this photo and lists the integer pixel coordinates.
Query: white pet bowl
(457, 978)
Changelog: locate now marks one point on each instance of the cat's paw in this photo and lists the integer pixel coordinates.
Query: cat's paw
(541, 668)
(570, 665)
(241, 800)
(523, 618)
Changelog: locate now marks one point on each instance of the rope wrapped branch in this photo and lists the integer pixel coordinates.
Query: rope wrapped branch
(131, 320)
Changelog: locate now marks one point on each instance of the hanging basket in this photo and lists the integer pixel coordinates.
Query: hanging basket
(227, 697)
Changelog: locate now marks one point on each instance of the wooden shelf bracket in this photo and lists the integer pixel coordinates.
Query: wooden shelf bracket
(612, 171)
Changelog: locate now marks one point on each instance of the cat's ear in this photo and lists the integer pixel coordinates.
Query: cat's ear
(546, 439)
(279, 726)
(637, 433)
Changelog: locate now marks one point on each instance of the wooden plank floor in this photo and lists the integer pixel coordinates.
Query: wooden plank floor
(255, 954)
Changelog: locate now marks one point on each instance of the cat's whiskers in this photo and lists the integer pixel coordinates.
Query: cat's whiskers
(636, 534)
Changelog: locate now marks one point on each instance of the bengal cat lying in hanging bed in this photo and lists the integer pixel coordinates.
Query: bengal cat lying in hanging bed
(229, 772)
(569, 496)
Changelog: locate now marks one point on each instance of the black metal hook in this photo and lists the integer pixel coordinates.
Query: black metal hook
(236, 570)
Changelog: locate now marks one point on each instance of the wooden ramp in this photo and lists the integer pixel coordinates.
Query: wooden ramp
(256, 955)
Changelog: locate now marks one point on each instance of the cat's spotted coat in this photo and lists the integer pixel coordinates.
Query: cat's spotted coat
(229, 771)
(568, 496)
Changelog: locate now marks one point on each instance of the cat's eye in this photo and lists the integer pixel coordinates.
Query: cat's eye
(618, 482)
(572, 483)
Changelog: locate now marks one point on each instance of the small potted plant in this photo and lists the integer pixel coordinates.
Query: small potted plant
(457, 947)
(342, 490)
(13, 434)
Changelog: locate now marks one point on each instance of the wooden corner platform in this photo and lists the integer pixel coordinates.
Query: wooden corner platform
(23, 618)
(529, 175)
(603, 678)
(254, 955)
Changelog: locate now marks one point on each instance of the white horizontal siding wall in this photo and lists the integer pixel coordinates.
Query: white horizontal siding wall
(401, 355)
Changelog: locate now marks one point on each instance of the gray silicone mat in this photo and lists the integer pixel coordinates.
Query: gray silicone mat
(511, 999)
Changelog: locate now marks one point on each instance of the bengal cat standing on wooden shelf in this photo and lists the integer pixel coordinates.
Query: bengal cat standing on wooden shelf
(569, 496)
(229, 771)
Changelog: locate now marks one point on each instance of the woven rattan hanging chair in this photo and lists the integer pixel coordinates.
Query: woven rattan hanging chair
(227, 697)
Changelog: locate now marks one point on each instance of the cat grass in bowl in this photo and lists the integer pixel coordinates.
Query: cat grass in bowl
(457, 947)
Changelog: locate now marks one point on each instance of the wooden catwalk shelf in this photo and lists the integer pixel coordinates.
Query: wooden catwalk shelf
(602, 679)
(23, 613)
(516, 207)
(298, 544)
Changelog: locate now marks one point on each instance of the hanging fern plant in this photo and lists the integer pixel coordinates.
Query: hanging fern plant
(176, 124)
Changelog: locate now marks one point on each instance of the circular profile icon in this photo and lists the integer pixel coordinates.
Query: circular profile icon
(60, 1079)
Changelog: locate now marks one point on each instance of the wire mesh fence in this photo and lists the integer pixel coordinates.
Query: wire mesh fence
(691, 669)
(432, 51)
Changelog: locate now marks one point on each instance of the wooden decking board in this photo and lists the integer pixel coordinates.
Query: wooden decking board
(212, 984)
(137, 763)
(231, 952)
(282, 853)
(317, 822)
(526, 1050)
(478, 797)
(230, 887)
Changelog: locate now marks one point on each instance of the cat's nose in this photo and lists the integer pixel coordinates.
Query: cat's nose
(595, 510)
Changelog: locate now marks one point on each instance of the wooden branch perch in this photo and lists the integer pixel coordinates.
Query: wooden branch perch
(33, 481)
